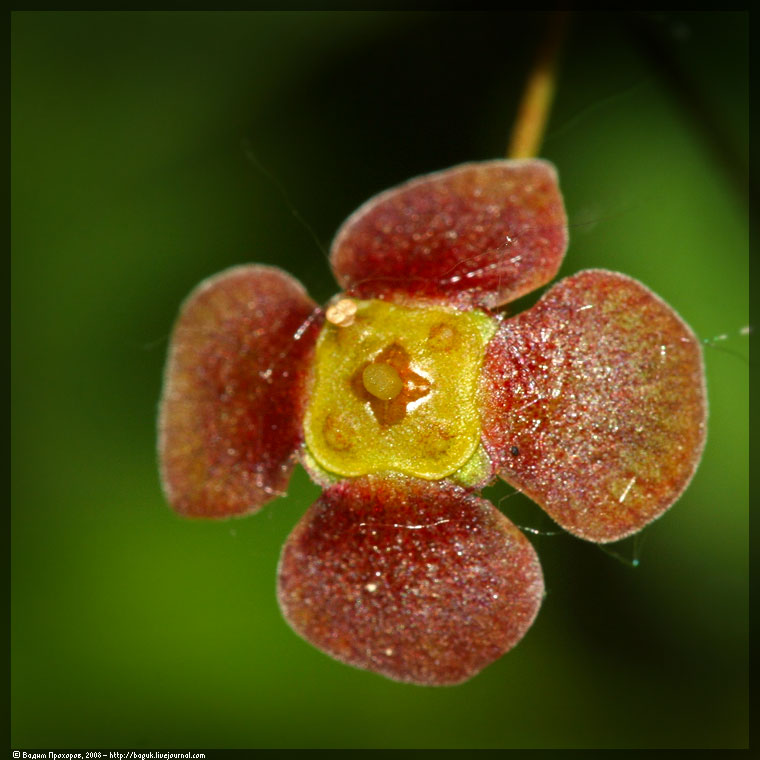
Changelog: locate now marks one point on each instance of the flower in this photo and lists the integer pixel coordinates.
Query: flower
(411, 392)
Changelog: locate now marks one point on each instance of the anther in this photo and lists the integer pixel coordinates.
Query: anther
(338, 432)
(341, 313)
(442, 337)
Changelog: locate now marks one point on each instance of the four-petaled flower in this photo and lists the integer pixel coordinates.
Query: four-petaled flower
(409, 393)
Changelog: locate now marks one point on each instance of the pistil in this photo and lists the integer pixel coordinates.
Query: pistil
(382, 381)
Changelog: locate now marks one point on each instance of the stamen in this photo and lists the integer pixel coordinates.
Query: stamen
(338, 432)
(341, 313)
(442, 337)
(382, 381)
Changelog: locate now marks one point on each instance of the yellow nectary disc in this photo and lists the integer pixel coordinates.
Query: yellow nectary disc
(395, 390)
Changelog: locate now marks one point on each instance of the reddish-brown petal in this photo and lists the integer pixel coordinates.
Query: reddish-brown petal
(419, 581)
(232, 405)
(595, 404)
(480, 234)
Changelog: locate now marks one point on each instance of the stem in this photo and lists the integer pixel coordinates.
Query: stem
(528, 131)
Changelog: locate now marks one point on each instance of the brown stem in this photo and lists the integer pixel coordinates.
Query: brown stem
(536, 103)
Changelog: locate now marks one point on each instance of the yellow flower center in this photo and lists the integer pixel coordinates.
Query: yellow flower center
(395, 391)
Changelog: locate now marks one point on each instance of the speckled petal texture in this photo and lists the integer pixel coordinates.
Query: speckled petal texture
(480, 234)
(418, 581)
(595, 404)
(231, 411)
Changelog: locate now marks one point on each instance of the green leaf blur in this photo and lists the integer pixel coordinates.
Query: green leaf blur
(150, 150)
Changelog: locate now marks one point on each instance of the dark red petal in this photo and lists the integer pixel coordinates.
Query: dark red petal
(230, 416)
(418, 581)
(595, 404)
(479, 234)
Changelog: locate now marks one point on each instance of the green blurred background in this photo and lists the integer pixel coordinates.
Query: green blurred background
(148, 150)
